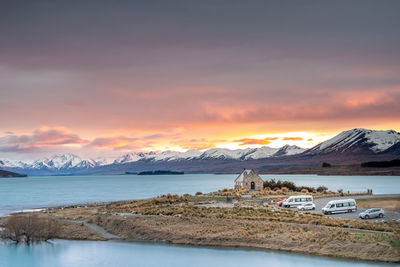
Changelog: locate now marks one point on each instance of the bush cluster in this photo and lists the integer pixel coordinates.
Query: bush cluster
(286, 186)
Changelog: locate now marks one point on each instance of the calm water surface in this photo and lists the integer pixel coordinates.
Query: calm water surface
(84, 253)
(33, 192)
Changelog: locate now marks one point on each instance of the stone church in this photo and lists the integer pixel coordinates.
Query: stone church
(249, 180)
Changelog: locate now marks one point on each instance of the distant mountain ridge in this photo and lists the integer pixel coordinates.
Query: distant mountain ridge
(354, 145)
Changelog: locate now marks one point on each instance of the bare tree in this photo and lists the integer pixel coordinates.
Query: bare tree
(29, 229)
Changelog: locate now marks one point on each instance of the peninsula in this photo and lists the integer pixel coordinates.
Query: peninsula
(214, 220)
(8, 174)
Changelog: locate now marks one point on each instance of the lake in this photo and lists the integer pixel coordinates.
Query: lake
(44, 191)
(62, 253)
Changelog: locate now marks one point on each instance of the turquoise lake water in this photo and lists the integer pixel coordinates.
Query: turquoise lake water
(61, 253)
(43, 191)
(36, 192)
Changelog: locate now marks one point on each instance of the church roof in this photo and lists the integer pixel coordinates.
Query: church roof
(246, 172)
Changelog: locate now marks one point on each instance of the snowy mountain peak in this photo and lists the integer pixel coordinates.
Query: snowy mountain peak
(130, 157)
(357, 139)
(261, 153)
(289, 150)
(224, 153)
(62, 161)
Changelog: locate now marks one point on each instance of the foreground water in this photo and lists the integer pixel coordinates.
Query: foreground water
(33, 192)
(62, 253)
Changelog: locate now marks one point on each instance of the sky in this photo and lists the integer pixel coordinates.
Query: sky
(102, 78)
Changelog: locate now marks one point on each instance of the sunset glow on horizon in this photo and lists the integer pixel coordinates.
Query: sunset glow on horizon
(171, 75)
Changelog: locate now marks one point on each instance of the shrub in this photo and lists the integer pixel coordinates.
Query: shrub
(29, 229)
(322, 189)
(304, 190)
(237, 196)
(285, 189)
(198, 193)
(253, 195)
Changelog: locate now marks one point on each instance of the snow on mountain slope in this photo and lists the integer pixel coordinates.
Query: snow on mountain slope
(382, 139)
(288, 150)
(375, 141)
(64, 161)
(175, 155)
(261, 153)
(13, 163)
(130, 157)
(102, 161)
(224, 153)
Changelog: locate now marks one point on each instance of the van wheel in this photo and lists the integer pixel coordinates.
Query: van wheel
(366, 217)
(313, 208)
(350, 211)
(381, 215)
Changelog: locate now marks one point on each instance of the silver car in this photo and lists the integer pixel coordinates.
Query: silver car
(372, 213)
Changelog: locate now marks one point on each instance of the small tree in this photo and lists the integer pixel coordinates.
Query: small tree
(29, 229)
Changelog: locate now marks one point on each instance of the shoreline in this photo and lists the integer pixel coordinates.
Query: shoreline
(335, 170)
(173, 220)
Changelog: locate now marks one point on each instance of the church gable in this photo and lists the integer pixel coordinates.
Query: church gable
(249, 180)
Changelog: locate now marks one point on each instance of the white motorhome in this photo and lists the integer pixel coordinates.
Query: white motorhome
(295, 201)
(342, 205)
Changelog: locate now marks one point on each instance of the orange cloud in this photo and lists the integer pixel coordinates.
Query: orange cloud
(309, 139)
(118, 142)
(292, 138)
(254, 141)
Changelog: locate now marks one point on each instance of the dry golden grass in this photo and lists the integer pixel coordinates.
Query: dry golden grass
(384, 203)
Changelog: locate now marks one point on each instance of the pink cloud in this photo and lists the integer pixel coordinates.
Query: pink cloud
(45, 137)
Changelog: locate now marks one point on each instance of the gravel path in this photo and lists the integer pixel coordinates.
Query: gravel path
(99, 230)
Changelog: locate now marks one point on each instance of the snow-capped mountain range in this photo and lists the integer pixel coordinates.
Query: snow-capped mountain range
(356, 141)
(72, 161)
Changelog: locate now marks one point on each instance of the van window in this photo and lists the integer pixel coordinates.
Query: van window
(352, 204)
(297, 200)
(303, 200)
(339, 205)
(332, 206)
(309, 199)
(346, 204)
(291, 200)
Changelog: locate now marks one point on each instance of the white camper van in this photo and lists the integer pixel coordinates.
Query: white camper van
(295, 201)
(342, 205)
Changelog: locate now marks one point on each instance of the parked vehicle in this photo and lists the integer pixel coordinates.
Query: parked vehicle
(307, 206)
(280, 203)
(295, 201)
(372, 213)
(342, 205)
